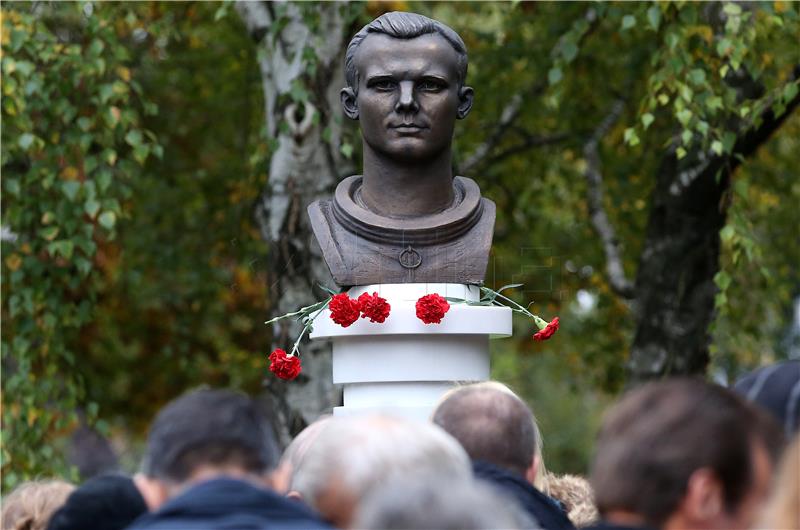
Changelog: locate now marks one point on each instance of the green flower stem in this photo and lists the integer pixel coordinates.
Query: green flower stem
(518, 309)
(309, 322)
(301, 311)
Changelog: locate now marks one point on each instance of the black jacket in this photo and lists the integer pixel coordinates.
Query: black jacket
(543, 509)
(606, 525)
(223, 504)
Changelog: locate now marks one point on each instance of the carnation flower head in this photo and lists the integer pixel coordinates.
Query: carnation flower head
(285, 366)
(548, 331)
(374, 307)
(431, 308)
(344, 310)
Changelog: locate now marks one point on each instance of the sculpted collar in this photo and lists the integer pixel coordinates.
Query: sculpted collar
(438, 228)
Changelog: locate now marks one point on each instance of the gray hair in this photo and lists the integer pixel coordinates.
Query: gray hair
(365, 450)
(425, 501)
(402, 25)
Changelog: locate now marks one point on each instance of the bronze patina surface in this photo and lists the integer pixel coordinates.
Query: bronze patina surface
(407, 218)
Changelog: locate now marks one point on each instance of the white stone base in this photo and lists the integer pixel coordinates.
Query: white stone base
(403, 366)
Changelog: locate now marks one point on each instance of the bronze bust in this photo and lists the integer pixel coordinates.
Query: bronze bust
(406, 219)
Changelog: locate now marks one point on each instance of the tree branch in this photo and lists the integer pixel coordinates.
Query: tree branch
(507, 117)
(256, 18)
(615, 272)
(746, 144)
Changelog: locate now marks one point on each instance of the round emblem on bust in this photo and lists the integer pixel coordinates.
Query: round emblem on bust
(410, 258)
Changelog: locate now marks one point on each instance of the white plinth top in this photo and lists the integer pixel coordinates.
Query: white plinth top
(461, 319)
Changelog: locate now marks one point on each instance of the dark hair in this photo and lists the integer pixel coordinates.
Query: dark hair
(402, 25)
(209, 427)
(659, 434)
(492, 425)
(108, 502)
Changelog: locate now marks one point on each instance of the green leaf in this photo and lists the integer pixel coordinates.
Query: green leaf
(554, 75)
(569, 51)
(723, 280)
(63, 247)
(628, 21)
(327, 289)
(71, 189)
(647, 119)
(697, 76)
(49, 233)
(684, 116)
(346, 150)
(91, 207)
(103, 179)
(727, 233)
(509, 286)
(12, 186)
(789, 92)
(84, 123)
(680, 153)
(654, 17)
(716, 146)
(134, 138)
(631, 138)
(728, 142)
(25, 140)
(732, 9)
(140, 153)
(107, 220)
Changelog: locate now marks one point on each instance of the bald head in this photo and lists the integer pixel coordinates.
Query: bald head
(491, 423)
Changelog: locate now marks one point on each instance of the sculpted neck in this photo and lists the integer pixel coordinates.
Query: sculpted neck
(403, 189)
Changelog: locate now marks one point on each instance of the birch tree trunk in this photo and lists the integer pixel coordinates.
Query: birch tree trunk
(300, 56)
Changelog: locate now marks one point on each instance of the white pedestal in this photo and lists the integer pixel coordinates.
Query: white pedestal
(403, 366)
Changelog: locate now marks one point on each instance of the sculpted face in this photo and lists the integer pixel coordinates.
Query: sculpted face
(408, 95)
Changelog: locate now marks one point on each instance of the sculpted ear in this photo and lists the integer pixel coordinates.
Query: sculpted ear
(349, 103)
(465, 95)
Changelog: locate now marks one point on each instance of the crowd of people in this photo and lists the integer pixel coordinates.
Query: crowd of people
(675, 454)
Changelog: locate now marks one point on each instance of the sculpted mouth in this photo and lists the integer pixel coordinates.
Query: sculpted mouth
(407, 127)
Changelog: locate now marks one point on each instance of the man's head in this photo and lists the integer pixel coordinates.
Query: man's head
(207, 433)
(351, 456)
(493, 425)
(405, 76)
(681, 454)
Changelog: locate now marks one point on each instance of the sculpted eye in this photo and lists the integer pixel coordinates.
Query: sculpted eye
(383, 84)
(431, 85)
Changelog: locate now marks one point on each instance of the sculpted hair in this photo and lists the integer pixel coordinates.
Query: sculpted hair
(402, 25)
(491, 424)
(209, 428)
(659, 434)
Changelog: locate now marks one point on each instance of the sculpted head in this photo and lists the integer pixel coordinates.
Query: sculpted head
(405, 75)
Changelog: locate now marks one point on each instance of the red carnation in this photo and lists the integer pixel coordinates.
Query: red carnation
(344, 310)
(431, 308)
(373, 307)
(548, 331)
(284, 366)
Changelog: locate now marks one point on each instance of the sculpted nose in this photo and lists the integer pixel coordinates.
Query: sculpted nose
(406, 101)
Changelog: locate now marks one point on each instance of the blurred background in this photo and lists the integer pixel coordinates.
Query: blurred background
(156, 166)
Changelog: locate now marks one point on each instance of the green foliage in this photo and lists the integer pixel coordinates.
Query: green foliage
(73, 142)
(138, 271)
